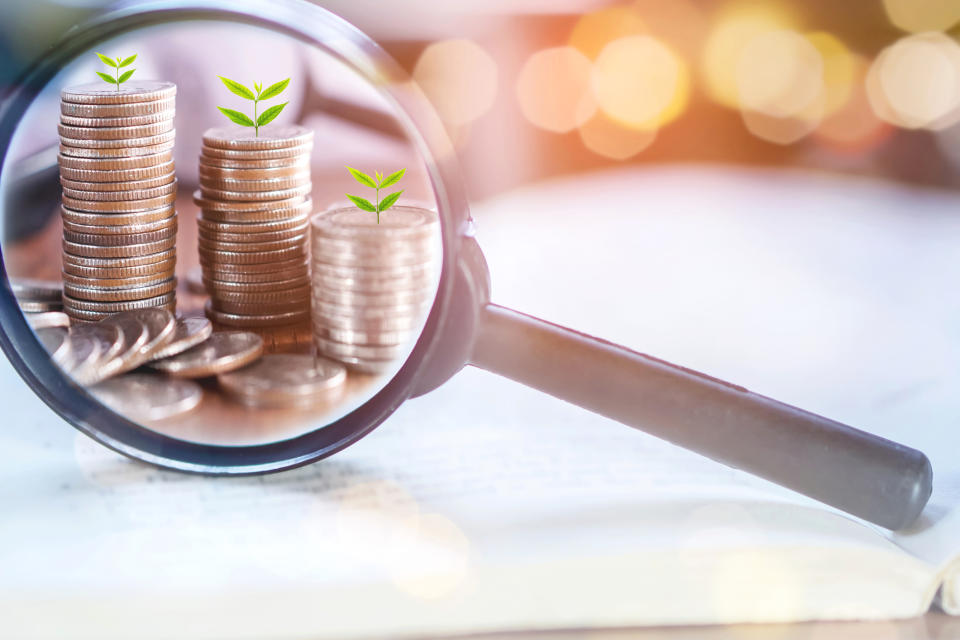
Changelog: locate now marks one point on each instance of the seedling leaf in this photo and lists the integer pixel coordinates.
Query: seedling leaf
(389, 201)
(274, 90)
(364, 204)
(237, 117)
(107, 78)
(128, 61)
(237, 88)
(392, 179)
(107, 61)
(271, 113)
(126, 76)
(363, 179)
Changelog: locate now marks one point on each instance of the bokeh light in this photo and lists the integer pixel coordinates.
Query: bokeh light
(915, 82)
(839, 70)
(779, 74)
(854, 127)
(554, 89)
(923, 15)
(611, 140)
(459, 78)
(640, 83)
(596, 30)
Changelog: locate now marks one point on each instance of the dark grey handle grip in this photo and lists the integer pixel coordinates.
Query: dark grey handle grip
(870, 477)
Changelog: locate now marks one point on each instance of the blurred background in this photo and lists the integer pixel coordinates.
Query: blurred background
(530, 89)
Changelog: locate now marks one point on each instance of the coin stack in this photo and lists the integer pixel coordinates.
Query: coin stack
(255, 201)
(119, 219)
(372, 282)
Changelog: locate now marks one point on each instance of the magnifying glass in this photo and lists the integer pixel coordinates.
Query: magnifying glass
(857, 472)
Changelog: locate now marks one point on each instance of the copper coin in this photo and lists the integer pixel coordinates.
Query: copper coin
(264, 267)
(131, 195)
(134, 91)
(264, 184)
(217, 205)
(70, 303)
(122, 251)
(128, 110)
(126, 143)
(297, 293)
(139, 330)
(251, 238)
(117, 283)
(250, 174)
(254, 196)
(273, 226)
(144, 397)
(116, 164)
(32, 306)
(294, 276)
(104, 132)
(237, 320)
(120, 239)
(118, 176)
(114, 218)
(367, 366)
(275, 137)
(118, 121)
(32, 289)
(224, 351)
(111, 263)
(122, 272)
(121, 229)
(111, 343)
(54, 340)
(48, 319)
(79, 294)
(80, 315)
(256, 287)
(349, 298)
(258, 154)
(188, 333)
(279, 214)
(285, 379)
(125, 206)
(296, 242)
(246, 308)
(253, 257)
(122, 184)
(103, 153)
(293, 162)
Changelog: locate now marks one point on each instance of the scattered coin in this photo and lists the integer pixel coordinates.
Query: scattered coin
(285, 380)
(224, 351)
(48, 319)
(188, 333)
(145, 397)
(90, 368)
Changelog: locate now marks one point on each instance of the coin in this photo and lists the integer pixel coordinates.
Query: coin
(111, 295)
(109, 343)
(127, 110)
(104, 153)
(263, 184)
(104, 132)
(112, 218)
(363, 337)
(106, 199)
(275, 137)
(273, 226)
(123, 185)
(116, 164)
(231, 271)
(29, 289)
(254, 196)
(48, 319)
(349, 297)
(398, 222)
(85, 351)
(223, 286)
(249, 174)
(296, 242)
(95, 316)
(133, 250)
(265, 215)
(366, 365)
(55, 342)
(122, 270)
(374, 279)
(224, 351)
(253, 257)
(146, 397)
(365, 325)
(135, 334)
(240, 320)
(135, 91)
(118, 121)
(125, 144)
(123, 282)
(255, 163)
(356, 259)
(70, 304)
(252, 238)
(119, 239)
(337, 350)
(188, 333)
(260, 205)
(39, 306)
(127, 229)
(258, 154)
(259, 309)
(284, 379)
(160, 326)
(117, 176)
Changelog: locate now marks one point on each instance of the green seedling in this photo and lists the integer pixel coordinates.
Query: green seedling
(267, 116)
(116, 64)
(376, 182)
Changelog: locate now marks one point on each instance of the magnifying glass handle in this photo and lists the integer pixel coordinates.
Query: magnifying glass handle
(865, 475)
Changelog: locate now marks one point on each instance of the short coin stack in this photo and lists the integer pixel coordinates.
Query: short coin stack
(372, 283)
(255, 200)
(119, 188)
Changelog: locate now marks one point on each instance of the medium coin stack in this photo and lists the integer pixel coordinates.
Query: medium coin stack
(255, 201)
(119, 188)
(372, 283)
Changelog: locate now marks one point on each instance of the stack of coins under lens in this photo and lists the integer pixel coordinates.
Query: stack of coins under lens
(119, 188)
(255, 200)
(372, 283)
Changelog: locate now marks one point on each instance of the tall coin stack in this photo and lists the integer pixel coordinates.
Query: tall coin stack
(372, 283)
(119, 188)
(255, 201)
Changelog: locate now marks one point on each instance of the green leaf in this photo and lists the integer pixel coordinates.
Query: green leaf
(378, 176)
(237, 117)
(267, 116)
(389, 201)
(107, 78)
(128, 61)
(274, 90)
(364, 204)
(125, 76)
(237, 88)
(107, 61)
(392, 179)
(362, 178)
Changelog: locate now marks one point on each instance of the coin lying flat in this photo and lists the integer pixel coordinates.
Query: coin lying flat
(255, 320)
(71, 304)
(116, 164)
(224, 351)
(257, 154)
(48, 319)
(126, 110)
(125, 144)
(117, 121)
(127, 185)
(117, 176)
(162, 270)
(117, 294)
(104, 132)
(122, 251)
(261, 184)
(398, 222)
(133, 91)
(29, 289)
(213, 204)
(275, 137)
(284, 380)
(188, 333)
(124, 229)
(247, 174)
(117, 219)
(122, 206)
(254, 287)
(254, 196)
(119, 239)
(32, 306)
(103, 153)
(277, 214)
(145, 397)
